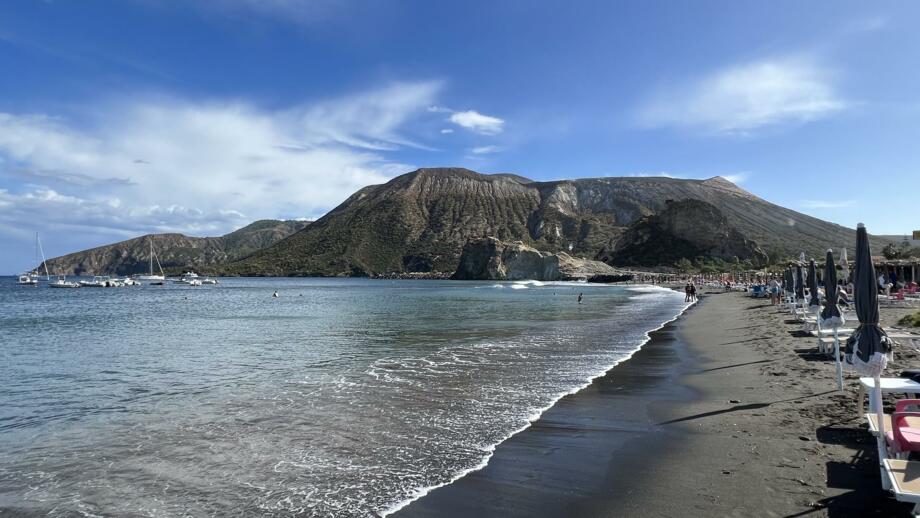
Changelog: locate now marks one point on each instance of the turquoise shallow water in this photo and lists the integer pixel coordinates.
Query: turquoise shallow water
(340, 397)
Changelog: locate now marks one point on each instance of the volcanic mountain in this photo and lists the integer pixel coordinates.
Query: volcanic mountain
(420, 221)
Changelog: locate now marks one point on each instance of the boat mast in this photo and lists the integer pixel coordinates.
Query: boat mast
(38, 246)
(151, 255)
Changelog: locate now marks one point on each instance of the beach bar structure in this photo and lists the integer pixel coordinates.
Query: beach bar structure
(907, 270)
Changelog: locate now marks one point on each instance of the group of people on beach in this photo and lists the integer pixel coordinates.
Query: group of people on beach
(690, 292)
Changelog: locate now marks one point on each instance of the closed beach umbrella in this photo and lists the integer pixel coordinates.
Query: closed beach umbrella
(789, 285)
(844, 266)
(869, 348)
(814, 301)
(830, 315)
(799, 283)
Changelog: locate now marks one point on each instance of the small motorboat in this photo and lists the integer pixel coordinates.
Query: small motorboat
(128, 281)
(27, 279)
(208, 280)
(97, 282)
(194, 282)
(62, 282)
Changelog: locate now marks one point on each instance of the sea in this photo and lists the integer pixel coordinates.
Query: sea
(338, 397)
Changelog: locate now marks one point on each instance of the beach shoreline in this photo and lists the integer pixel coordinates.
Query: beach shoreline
(725, 411)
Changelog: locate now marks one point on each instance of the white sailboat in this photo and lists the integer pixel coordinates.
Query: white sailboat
(150, 276)
(31, 278)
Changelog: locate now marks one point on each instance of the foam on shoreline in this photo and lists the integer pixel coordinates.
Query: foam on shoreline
(536, 415)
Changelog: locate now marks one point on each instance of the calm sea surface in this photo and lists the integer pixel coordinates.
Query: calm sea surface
(338, 398)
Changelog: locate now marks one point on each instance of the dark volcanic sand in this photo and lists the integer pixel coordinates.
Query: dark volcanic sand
(725, 412)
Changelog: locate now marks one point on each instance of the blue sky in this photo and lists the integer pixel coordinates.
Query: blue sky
(125, 117)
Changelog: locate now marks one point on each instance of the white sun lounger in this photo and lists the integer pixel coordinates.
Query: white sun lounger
(904, 476)
(888, 386)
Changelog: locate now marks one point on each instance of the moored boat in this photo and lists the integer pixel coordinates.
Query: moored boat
(62, 282)
(150, 275)
(27, 279)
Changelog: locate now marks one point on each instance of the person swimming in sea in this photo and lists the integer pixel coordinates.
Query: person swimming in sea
(275, 295)
(580, 296)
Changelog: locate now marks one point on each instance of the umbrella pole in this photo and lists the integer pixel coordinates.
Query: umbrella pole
(882, 448)
(837, 360)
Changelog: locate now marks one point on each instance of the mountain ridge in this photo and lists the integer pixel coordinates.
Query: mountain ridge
(420, 221)
(175, 251)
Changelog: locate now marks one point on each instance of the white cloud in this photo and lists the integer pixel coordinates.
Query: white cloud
(446, 131)
(477, 122)
(201, 168)
(742, 98)
(827, 204)
(484, 150)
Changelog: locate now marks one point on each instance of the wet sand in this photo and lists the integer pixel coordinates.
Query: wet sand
(728, 411)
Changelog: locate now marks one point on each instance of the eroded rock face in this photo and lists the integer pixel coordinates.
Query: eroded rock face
(420, 221)
(686, 229)
(491, 259)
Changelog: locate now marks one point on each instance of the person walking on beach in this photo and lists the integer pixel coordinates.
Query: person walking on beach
(687, 292)
(693, 293)
(580, 296)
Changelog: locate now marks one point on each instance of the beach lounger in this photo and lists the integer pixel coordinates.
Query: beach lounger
(904, 477)
(889, 386)
(902, 436)
(873, 422)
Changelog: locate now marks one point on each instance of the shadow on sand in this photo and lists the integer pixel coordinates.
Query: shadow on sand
(860, 476)
(739, 408)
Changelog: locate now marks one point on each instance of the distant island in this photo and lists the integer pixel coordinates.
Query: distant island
(175, 252)
(419, 223)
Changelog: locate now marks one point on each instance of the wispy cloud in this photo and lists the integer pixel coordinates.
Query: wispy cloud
(160, 164)
(446, 131)
(470, 120)
(827, 204)
(484, 150)
(477, 122)
(746, 97)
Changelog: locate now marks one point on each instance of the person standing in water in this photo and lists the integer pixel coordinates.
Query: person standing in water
(275, 295)
(580, 296)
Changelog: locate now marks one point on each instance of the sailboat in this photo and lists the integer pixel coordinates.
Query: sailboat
(31, 278)
(150, 276)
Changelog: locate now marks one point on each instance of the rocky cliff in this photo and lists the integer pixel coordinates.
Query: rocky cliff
(491, 259)
(685, 229)
(175, 251)
(420, 221)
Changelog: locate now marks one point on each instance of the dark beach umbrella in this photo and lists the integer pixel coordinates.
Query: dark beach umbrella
(814, 302)
(799, 283)
(788, 284)
(869, 348)
(830, 315)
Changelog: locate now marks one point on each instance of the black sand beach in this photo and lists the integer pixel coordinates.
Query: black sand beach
(727, 411)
